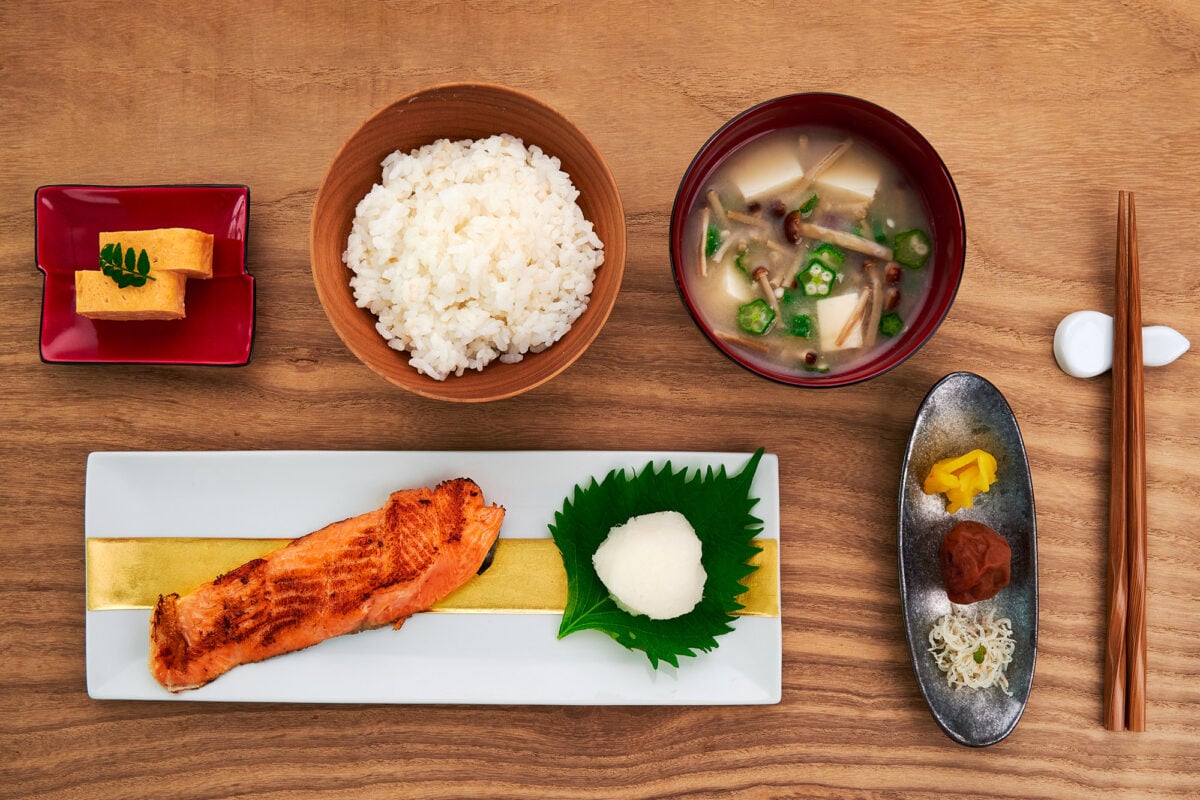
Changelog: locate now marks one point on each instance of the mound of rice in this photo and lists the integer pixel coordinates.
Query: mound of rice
(472, 251)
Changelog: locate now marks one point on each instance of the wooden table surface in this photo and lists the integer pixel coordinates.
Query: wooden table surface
(1042, 114)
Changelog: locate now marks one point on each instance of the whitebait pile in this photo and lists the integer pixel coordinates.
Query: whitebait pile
(973, 651)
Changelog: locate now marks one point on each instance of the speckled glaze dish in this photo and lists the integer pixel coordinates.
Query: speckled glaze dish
(963, 412)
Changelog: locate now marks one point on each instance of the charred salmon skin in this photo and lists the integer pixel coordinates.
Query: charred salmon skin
(365, 572)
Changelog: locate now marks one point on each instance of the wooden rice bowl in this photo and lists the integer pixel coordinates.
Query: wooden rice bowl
(461, 111)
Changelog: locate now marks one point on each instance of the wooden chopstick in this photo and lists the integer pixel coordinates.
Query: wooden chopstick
(1135, 488)
(1125, 654)
(1118, 569)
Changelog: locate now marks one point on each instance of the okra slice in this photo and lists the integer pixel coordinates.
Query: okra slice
(912, 248)
(756, 317)
(816, 280)
(828, 255)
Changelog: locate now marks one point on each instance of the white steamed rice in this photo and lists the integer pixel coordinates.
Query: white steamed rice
(472, 251)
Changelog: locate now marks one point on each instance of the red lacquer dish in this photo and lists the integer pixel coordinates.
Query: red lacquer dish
(898, 141)
(219, 327)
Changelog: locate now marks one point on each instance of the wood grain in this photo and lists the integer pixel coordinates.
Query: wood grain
(1041, 113)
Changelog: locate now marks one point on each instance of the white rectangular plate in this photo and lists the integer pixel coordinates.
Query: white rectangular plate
(434, 658)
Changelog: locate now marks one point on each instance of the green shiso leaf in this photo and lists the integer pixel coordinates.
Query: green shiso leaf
(717, 506)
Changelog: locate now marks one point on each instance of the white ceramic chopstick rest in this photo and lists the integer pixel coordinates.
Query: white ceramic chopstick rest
(1083, 344)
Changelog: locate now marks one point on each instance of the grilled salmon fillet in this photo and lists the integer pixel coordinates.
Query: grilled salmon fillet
(365, 572)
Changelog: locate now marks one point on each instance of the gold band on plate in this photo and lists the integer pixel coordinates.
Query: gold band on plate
(526, 575)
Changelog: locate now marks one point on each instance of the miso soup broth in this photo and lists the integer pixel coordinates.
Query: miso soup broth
(807, 252)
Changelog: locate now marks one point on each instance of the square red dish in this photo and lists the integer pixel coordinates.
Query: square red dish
(219, 327)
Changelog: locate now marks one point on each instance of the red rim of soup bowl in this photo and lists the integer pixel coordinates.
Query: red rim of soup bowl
(908, 150)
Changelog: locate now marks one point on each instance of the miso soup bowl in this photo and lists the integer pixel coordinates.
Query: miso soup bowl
(462, 111)
(895, 138)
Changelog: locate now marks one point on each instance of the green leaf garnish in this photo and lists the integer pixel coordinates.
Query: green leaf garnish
(890, 324)
(712, 240)
(125, 268)
(979, 654)
(718, 508)
(806, 209)
(800, 325)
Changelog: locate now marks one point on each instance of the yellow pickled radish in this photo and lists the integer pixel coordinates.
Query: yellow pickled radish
(961, 478)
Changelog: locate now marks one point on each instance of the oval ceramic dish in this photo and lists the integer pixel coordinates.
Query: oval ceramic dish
(963, 412)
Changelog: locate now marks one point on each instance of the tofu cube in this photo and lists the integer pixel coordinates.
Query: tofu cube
(97, 296)
(737, 285)
(765, 171)
(857, 182)
(183, 250)
(832, 313)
